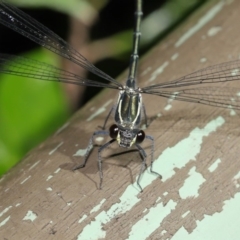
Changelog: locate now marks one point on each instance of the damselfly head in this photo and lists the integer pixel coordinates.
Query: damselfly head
(126, 137)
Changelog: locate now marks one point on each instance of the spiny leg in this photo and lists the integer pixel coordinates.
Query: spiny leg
(152, 155)
(106, 119)
(144, 115)
(143, 166)
(89, 148)
(100, 160)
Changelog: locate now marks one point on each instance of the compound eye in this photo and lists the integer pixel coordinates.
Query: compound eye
(140, 136)
(113, 131)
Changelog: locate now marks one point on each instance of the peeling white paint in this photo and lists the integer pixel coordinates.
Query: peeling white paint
(5, 210)
(146, 71)
(214, 166)
(49, 177)
(175, 157)
(99, 111)
(82, 218)
(168, 107)
(151, 221)
(58, 170)
(185, 150)
(235, 72)
(158, 71)
(237, 176)
(236, 179)
(80, 153)
(25, 179)
(4, 221)
(203, 59)
(191, 184)
(62, 128)
(97, 207)
(30, 216)
(174, 56)
(55, 149)
(34, 165)
(163, 232)
(201, 22)
(232, 112)
(213, 31)
(171, 98)
(1, 179)
(127, 201)
(145, 210)
(185, 214)
(49, 189)
(208, 227)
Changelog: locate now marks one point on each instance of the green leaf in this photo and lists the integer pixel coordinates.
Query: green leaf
(30, 110)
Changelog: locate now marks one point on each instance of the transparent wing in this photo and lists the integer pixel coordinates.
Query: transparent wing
(213, 96)
(25, 67)
(224, 72)
(22, 23)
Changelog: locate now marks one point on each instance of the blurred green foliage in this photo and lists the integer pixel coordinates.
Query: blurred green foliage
(30, 110)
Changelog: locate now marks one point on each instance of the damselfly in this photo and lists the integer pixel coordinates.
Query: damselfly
(129, 109)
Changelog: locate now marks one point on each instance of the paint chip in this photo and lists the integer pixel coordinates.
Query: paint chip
(25, 179)
(203, 59)
(158, 71)
(58, 170)
(49, 177)
(185, 214)
(82, 218)
(55, 149)
(34, 165)
(213, 31)
(168, 107)
(146, 71)
(191, 184)
(5, 210)
(62, 128)
(80, 152)
(214, 166)
(96, 208)
(151, 221)
(30, 216)
(4, 221)
(201, 22)
(174, 56)
(99, 111)
(235, 72)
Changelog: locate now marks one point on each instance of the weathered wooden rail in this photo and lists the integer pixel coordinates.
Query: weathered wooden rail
(197, 153)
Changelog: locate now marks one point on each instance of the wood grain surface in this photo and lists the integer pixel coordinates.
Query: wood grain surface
(196, 152)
